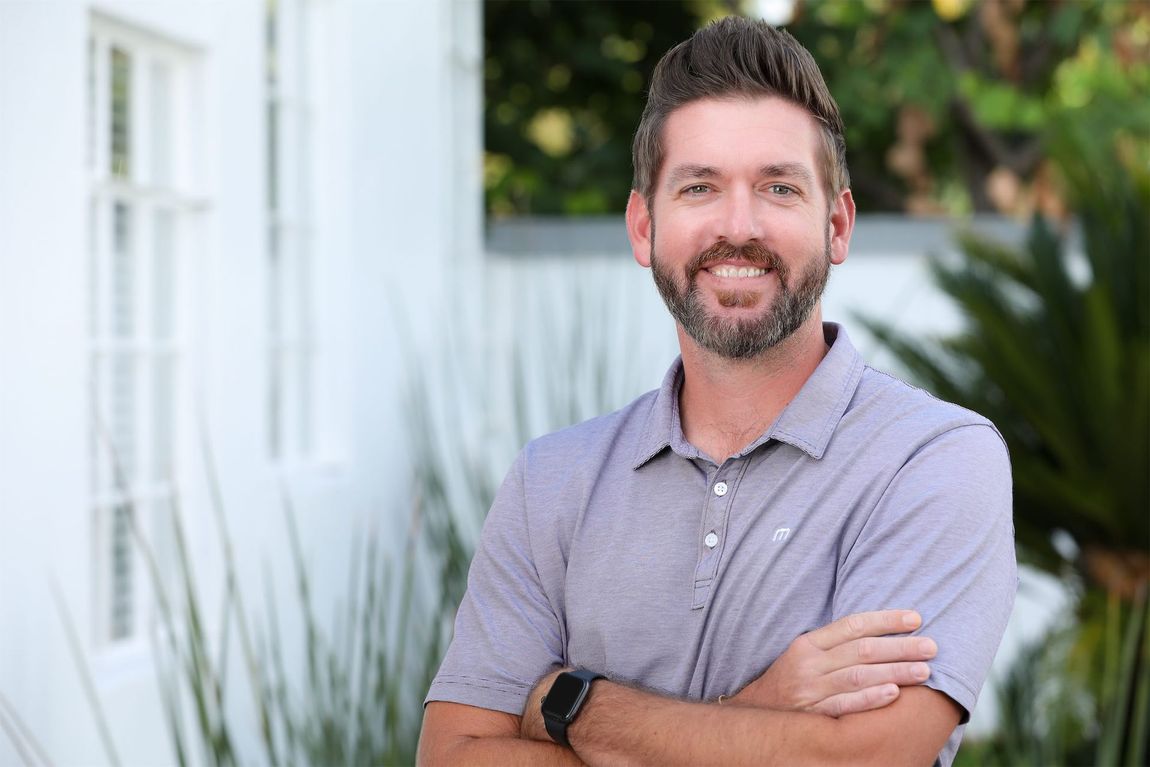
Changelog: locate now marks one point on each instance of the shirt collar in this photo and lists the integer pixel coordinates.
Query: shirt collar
(807, 422)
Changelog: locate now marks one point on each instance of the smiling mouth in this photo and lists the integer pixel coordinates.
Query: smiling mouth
(737, 271)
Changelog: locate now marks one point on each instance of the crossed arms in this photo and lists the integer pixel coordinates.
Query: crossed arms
(833, 696)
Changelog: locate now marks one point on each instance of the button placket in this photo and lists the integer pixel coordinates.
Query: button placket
(720, 495)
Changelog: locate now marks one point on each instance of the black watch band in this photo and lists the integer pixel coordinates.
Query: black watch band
(564, 700)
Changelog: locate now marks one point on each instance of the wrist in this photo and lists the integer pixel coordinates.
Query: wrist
(531, 723)
(564, 702)
(601, 702)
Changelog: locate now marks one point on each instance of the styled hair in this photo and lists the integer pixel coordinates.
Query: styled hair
(741, 58)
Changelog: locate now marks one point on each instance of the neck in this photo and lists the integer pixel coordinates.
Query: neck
(726, 404)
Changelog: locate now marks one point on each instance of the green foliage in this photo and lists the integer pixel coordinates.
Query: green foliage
(361, 702)
(358, 701)
(1057, 353)
(941, 95)
(563, 84)
(944, 102)
(1076, 696)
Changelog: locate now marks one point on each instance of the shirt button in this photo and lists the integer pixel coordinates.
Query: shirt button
(711, 540)
(720, 488)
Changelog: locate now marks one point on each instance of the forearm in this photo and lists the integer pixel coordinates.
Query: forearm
(455, 734)
(497, 752)
(620, 725)
(625, 726)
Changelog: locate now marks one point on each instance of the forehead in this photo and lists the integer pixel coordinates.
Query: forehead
(739, 134)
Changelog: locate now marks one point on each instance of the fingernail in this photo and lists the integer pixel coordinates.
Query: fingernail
(920, 671)
(911, 620)
(927, 647)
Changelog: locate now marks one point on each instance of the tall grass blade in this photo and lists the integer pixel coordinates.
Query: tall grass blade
(86, 678)
(29, 749)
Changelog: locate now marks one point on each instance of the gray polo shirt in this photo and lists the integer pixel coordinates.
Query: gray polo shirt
(617, 546)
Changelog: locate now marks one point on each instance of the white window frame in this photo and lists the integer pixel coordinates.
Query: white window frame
(145, 231)
(293, 271)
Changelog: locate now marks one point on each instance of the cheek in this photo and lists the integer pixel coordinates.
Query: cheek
(682, 233)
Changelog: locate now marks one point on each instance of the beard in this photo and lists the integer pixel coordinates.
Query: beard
(749, 337)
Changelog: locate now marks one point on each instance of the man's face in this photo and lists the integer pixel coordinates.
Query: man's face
(743, 335)
(745, 237)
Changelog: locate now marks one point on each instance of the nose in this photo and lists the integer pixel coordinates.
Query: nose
(741, 220)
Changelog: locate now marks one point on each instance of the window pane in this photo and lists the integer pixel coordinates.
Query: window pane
(163, 309)
(121, 596)
(123, 420)
(121, 132)
(96, 325)
(305, 397)
(271, 24)
(123, 273)
(163, 384)
(273, 154)
(161, 125)
(91, 102)
(275, 402)
(98, 428)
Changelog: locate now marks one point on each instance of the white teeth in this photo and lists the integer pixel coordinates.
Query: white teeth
(737, 271)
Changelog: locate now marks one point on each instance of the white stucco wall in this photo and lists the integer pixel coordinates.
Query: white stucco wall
(43, 479)
(396, 215)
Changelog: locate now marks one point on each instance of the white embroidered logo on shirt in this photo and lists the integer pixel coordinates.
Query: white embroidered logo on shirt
(781, 534)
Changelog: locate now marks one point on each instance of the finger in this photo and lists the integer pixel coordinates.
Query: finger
(869, 624)
(855, 678)
(869, 650)
(860, 700)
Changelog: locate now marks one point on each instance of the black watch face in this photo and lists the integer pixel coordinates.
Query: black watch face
(565, 696)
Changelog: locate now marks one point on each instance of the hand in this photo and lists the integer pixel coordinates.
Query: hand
(531, 725)
(845, 667)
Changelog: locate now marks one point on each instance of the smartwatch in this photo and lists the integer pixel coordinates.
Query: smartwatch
(562, 703)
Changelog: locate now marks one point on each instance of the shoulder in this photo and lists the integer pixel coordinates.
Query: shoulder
(890, 411)
(591, 442)
(556, 474)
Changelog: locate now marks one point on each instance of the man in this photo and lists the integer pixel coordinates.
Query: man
(649, 584)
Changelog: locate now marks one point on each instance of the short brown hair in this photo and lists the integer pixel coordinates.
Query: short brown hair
(739, 57)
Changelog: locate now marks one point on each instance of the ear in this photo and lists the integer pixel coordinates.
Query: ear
(841, 224)
(639, 229)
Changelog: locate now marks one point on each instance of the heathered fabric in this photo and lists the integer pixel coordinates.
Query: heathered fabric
(865, 494)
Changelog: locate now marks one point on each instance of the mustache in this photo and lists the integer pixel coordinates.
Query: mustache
(753, 253)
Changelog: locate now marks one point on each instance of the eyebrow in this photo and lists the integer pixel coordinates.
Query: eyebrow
(788, 170)
(793, 170)
(688, 172)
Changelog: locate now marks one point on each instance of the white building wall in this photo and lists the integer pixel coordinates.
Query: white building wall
(397, 216)
(43, 348)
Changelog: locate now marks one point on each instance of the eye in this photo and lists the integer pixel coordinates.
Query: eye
(696, 189)
(781, 189)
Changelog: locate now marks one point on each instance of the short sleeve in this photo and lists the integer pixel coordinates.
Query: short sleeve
(941, 541)
(507, 632)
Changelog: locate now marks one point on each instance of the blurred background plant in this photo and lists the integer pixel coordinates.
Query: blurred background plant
(359, 697)
(1056, 351)
(944, 102)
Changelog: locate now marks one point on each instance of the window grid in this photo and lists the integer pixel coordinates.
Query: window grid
(290, 320)
(142, 216)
